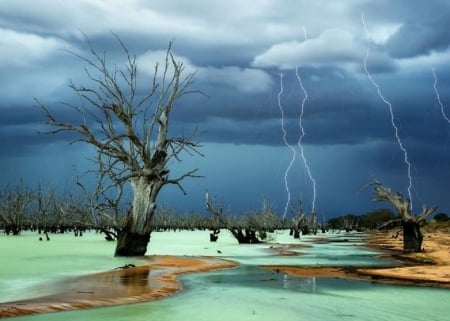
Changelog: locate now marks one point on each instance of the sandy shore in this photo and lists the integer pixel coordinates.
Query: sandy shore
(428, 268)
(139, 284)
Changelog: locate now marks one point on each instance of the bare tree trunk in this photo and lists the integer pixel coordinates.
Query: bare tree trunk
(144, 204)
(133, 238)
(412, 237)
(244, 235)
(131, 244)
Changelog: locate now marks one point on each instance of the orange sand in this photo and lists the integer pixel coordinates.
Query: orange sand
(428, 268)
(139, 284)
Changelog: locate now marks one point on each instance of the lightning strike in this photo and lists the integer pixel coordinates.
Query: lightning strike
(294, 152)
(302, 135)
(438, 97)
(400, 144)
(299, 142)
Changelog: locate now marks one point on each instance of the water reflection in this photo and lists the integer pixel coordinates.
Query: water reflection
(307, 284)
(137, 282)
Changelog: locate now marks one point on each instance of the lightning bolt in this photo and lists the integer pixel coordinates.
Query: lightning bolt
(294, 152)
(302, 135)
(400, 144)
(299, 142)
(438, 97)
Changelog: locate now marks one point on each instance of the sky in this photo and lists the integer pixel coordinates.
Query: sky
(363, 86)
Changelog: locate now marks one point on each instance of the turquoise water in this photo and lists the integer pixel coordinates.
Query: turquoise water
(247, 292)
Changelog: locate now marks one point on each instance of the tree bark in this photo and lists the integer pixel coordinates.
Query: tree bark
(145, 193)
(412, 237)
(133, 238)
(131, 244)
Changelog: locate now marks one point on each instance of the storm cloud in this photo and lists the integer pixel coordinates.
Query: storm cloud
(249, 60)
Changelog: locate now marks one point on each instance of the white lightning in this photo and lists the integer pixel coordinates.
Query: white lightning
(438, 97)
(299, 143)
(294, 152)
(405, 153)
(304, 32)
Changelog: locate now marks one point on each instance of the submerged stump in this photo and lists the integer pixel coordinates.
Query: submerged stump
(131, 244)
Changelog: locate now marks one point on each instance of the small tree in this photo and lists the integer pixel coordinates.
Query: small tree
(298, 221)
(130, 133)
(301, 223)
(411, 223)
(244, 232)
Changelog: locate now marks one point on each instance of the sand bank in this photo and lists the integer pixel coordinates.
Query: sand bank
(121, 286)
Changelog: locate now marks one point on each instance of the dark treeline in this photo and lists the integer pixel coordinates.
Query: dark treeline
(369, 221)
(376, 219)
(45, 210)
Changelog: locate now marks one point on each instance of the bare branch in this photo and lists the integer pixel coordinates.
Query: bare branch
(129, 130)
(403, 206)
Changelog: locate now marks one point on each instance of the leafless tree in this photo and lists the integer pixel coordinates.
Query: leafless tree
(410, 222)
(265, 217)
(46, 209)
(103, 211)
(302, 223)
(245, 231)
(130, 132)
(14, 208)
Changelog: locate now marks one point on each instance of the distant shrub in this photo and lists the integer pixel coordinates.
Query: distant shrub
(441, 217)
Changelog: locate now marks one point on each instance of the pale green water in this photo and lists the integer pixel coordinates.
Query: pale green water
(28, 263)
(243, 293)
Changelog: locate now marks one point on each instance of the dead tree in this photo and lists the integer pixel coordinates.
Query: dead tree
(411, 223)
(243, 233)
(14, 208)
(130, 133)
(301, 223)
(298, 221)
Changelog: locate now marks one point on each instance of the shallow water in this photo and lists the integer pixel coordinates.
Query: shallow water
(28, 264)
(244, 293)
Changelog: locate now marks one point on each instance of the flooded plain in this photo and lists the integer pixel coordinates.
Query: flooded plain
(33, 268)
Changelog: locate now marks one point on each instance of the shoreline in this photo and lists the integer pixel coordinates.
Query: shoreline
(156, 280)
(429, 268)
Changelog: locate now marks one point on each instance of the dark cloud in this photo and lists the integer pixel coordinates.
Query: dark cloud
(422, 25)
(20, 115)
(237, 55)
(415, 38)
